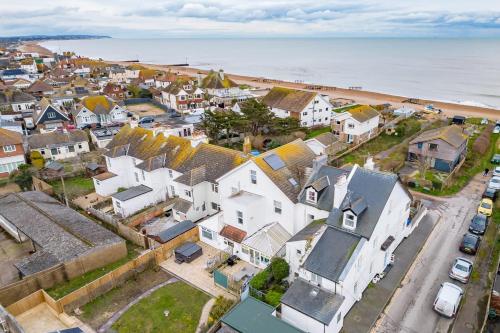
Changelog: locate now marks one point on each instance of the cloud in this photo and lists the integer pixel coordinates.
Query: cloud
(197, 18)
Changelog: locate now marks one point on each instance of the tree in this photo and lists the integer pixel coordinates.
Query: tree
(256, 115)
(134, 90)
(285, 125)
(280, 269)
(22, 177)
(211, 124)
(37, 159)
(220, 122)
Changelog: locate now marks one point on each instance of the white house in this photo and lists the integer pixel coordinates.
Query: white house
(332, 261)
(310, 108)
(59, 145)
(29, 65)
(154, 168)
(321, 143)
(222, 90)
(101, 110)
(259, 203)
(356, 125)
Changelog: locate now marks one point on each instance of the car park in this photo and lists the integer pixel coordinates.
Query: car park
(448, 299)
(485, 207)
(461, 270)
(478, 224)
(494, 183)
(490, 193)
(470, 244)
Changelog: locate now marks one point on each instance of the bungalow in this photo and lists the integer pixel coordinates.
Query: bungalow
(50, 116)
(40, 89)
(11, 151)
(223, 90)
(310, 108)
(258, 203)
(17, 100)
(184, 96)
(102, 110)
(19, 83)
(333, 260)
(59, 145)
(441, 148)
(356, 125)
(323, 143)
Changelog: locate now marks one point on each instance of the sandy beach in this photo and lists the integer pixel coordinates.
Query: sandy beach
(358, 96)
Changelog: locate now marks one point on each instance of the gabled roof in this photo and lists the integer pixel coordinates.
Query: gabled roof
(213, 80)
(453, 134)
(288, 99)
(363, 113)
(294, 158)
(313, 301)
(20, 97)
(98, 104)
(233, 233)
(8, 137)
(39, 86)
(331, 253)
(45, 107)
(132, 192)
(326, 139)
(325, 190)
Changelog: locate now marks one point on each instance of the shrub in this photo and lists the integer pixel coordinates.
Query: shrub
(37, 159)
(273, 297)
(260, 280)
(280, 269)
(220, 307)
(482, 143)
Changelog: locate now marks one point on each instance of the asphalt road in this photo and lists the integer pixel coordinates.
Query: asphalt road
(410, 309)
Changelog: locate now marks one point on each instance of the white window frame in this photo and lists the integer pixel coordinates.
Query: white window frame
(9, 148)
(312, 196)
(348, 220)
(215, 188)
(277, 207)
(253, 176)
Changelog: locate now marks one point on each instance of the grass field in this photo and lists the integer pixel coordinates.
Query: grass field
(317, 131)
(75, 186)
(183, 302)
(65, 288)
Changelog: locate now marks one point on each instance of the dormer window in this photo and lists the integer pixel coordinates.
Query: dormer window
(312, 195)
(349, 220)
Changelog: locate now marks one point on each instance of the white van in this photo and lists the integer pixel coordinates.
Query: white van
(448, 299)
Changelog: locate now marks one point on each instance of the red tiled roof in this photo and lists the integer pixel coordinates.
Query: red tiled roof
(233, 233)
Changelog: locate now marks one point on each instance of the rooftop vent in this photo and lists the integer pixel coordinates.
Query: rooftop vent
(314, 292)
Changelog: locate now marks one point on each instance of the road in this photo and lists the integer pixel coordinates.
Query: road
(410, 309)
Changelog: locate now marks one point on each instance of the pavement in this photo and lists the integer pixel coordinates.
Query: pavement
(364, 313)
(410, 309)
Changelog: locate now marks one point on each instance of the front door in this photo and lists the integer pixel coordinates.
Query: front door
(254, 257)
(350, 138)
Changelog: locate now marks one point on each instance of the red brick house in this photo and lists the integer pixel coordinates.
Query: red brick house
(11, 152)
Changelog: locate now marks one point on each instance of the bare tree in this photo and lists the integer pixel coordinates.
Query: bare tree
(423, 164)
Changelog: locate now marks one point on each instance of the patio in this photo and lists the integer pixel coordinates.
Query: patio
(196, 273)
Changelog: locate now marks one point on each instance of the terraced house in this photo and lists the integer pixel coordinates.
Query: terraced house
(310, 108)
(155, 169)
(102, 110)
(11, 151)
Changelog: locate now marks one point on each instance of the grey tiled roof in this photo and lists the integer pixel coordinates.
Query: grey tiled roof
(331, 253)
(312, 301)
(326, 193)
(55, 139)
(59, 232)
(326, 138)
(177, 230)
(132, 192)
(182, 205)
(374, 188)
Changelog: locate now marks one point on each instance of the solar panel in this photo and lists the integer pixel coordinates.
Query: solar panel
(274, 161)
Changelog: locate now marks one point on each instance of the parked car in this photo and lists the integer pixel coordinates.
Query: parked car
(490, 193)
(484, 121)
(496, 172)
(478, 224)
(146, 120)
(448, 299)
(496, 130)
(485, 207)
(495, 159)
(494, 183)
(461, 270)
(470, 244)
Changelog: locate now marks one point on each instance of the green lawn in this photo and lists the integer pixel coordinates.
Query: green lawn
(182, 301)
(345, 108)
(405, 128)
(65, 288)
(317, 131)
(75, 186)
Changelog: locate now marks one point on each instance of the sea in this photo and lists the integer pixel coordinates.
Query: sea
(458, 70)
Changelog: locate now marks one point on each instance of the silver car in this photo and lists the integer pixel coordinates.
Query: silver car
(461, 270)
(494, 183)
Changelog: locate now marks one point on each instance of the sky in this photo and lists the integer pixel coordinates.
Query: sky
(255, 18)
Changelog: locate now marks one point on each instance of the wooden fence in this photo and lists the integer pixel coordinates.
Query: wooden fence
(449, 178)
(105, 283)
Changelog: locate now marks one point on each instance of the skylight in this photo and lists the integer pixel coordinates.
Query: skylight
(274, 161)
(293, 182)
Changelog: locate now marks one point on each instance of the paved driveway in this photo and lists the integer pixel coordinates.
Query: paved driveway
(410, 310)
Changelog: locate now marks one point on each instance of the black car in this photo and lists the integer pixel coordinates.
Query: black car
(478, 224)
(146, 120)
(490, 193)
(470, 244)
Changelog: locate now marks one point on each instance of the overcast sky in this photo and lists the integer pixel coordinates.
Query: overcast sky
(252, 18)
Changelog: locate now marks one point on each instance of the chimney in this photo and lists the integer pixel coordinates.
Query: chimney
(340, 191)
(247, 145)
(319, 161)
(221, 74)
(369, 164)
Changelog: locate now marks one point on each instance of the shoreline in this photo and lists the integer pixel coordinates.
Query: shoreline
(359, 96)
